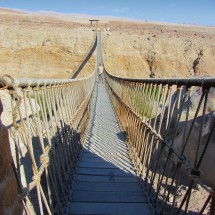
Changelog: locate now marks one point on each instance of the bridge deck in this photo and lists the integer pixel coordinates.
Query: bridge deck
(105, 182)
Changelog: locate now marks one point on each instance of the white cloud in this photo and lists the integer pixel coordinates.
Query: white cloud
(121, 10)
(101, 7)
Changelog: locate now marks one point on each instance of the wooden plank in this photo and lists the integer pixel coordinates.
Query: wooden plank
(105, 178)
(109, 208)
(104, 165)
(89, 154)
(107, 159)
(100, 153)
(112, 143)
(116, 156)
(109, 147)
(115, 197)
(100, 171)
(102, 183)
(108, 187)
(101, 138)
(119, 163)
(92, 159)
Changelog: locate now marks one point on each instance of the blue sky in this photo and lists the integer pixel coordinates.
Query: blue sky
(176, 11)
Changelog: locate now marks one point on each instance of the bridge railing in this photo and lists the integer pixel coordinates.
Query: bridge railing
(47, 128)
(171, 134)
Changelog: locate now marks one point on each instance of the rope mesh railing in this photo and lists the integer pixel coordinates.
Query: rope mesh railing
(50, 118)
(170, 126)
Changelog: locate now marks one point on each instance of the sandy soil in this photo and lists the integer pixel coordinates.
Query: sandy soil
(42, 46)
(52, 46)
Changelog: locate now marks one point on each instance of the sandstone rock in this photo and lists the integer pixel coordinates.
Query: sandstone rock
(47, 42)
(25, 110)
(9, 191)
(6, 116)
(207, 166)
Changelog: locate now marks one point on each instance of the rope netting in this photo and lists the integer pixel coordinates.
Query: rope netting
(50, 118)
(170, 126)
(171, 134)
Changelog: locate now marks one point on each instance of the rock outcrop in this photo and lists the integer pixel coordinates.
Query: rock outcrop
(10, 202)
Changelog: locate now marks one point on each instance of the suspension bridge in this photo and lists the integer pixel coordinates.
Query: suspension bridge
(125, 146)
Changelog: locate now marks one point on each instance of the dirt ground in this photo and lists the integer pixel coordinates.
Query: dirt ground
(39, 46)
(52, 46)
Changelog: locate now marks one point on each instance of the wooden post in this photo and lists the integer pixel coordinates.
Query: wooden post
(94, 20)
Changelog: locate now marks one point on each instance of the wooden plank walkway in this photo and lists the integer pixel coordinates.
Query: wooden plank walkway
(105, 181)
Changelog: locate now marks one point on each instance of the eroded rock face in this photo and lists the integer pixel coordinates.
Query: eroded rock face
(49, 48)
(6, 115)
(27, 107)
(192, 152)
(42, 47)
(166, 50)
(207, 164)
